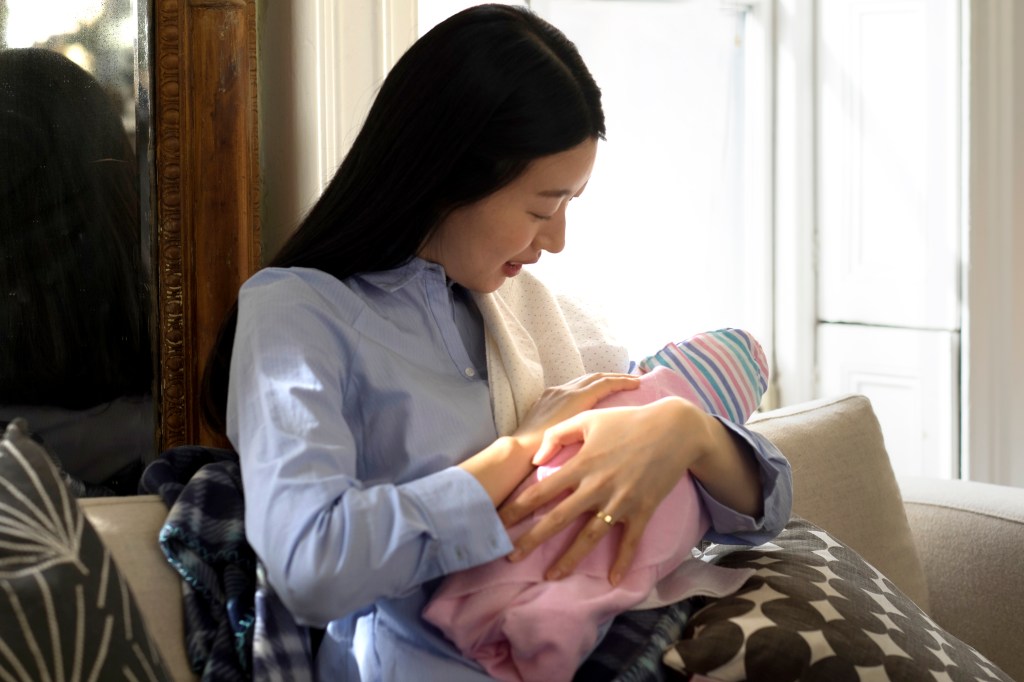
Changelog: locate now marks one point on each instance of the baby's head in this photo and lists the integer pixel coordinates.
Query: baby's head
(727, 370)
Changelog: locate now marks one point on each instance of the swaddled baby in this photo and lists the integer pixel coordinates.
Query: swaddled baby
(518, 625)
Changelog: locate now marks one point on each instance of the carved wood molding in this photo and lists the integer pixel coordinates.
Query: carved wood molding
(207, 190)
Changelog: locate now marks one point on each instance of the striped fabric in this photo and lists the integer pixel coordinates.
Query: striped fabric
(727, 369)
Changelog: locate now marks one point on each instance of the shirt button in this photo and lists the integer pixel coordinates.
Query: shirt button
(470, 372)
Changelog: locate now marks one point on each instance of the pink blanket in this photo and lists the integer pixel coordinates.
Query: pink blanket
(522, 627)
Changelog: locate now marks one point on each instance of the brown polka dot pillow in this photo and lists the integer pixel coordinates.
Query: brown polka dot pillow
(815, 610)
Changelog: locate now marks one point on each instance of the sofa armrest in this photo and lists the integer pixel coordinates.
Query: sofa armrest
(843, 482)
(970, 537)
(130, 527)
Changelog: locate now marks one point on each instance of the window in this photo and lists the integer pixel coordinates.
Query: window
(734, 130)
(888, 226)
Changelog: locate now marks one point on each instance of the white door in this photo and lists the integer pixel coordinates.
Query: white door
(888, 219)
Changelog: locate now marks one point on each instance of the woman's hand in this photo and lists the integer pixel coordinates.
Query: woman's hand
(503, 465)
(558, 403)
(630, 459)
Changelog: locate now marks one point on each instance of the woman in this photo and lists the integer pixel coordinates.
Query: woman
(362, 391)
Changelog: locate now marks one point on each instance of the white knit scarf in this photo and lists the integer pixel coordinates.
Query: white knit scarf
(537, 339)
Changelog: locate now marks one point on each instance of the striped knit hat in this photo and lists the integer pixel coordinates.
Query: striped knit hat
(726, 368)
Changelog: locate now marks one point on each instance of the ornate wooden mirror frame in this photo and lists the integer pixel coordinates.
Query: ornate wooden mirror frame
(206, 190)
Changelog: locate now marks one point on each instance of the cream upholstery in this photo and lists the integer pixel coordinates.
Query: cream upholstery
(970, 537)
(130, 526)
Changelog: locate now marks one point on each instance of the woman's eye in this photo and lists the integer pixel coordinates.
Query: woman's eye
(538, 216)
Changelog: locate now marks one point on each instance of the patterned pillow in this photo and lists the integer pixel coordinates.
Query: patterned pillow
(65, 611)
(815, 610)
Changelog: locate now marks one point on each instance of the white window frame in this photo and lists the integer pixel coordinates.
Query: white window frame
(993, 281)
(321, 62)
(794, 189)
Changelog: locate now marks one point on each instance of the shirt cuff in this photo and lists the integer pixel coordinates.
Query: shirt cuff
(732, 527)
(466, 525)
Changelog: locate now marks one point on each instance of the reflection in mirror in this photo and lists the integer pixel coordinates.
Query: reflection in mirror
(75, 330)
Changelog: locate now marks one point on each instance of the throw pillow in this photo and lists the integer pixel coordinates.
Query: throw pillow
(815, 610)
(65, 610)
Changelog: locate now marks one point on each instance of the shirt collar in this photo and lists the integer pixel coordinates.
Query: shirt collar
(396, 278)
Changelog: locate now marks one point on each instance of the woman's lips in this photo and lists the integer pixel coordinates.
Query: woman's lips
(512, 269)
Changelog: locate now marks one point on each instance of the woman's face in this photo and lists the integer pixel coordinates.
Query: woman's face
(483, 243)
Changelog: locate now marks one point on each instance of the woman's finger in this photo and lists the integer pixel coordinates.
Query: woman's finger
(535, 497)
(594, 387)
(600, 525)
(560, 435)
(558, 403)
(631, 534)
(597, 376)
(572, 428)
(602, 385)
(604, 523)
(554, 522)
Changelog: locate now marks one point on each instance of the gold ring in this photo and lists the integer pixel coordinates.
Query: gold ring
(607, 518)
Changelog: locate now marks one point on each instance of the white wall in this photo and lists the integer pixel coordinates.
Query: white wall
(320, 63)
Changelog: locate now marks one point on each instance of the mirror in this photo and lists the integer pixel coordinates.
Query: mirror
(182, 76)
(75, 277)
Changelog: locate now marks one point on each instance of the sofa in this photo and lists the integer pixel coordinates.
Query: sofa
(954, 548)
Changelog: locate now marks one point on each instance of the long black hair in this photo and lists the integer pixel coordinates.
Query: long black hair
(461, 114)
(74, 298)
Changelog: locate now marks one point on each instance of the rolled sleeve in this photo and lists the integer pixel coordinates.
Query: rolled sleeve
(733, 527)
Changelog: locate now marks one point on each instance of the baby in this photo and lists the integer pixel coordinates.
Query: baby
(519, 626)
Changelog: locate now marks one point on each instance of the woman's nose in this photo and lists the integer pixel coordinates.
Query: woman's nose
(551, 237)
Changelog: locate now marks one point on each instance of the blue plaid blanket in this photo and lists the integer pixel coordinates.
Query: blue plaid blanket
(235, 626)
(631, 650)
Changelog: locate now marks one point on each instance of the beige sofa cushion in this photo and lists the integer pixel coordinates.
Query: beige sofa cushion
(843, 481)
(971, 539)
(130, 527)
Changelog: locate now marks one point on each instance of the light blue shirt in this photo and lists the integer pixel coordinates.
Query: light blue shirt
(350, 405)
